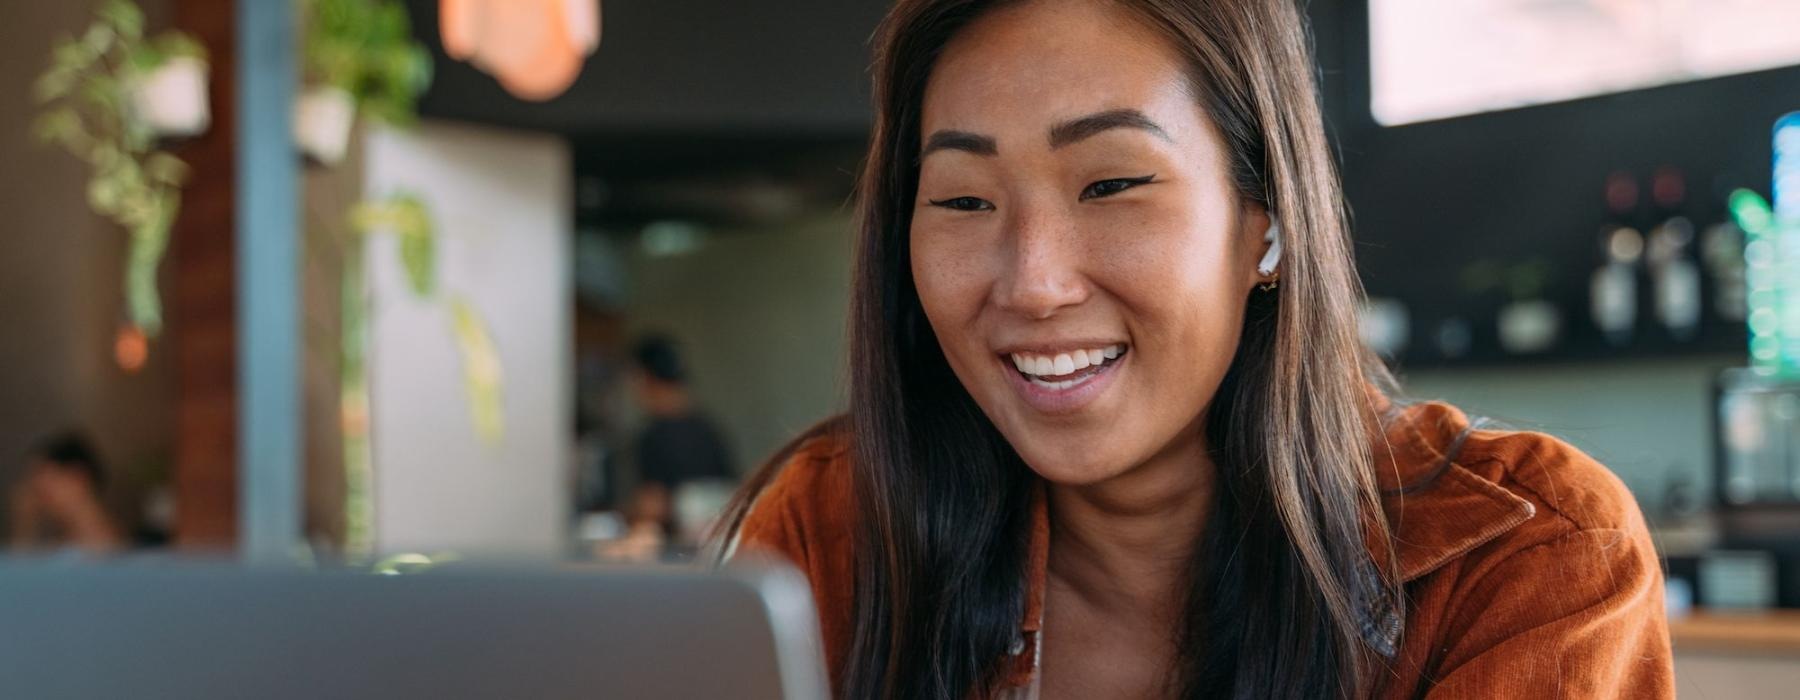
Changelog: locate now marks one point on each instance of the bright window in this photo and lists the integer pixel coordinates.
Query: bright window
(1433, 59)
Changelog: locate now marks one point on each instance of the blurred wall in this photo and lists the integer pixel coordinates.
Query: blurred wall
(760, 317)
(61, 270)
(501, 204)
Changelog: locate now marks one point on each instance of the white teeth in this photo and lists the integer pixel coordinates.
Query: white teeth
(1059, 386)
(1065, 363)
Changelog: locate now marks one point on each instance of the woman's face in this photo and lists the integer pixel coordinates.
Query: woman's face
(1076, 242)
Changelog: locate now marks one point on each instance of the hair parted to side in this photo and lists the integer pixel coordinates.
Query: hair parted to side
(1280, 582)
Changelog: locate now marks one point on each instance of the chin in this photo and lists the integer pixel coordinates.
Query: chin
(1070, 465)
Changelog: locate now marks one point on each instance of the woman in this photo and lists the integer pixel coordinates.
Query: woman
(1111, 431)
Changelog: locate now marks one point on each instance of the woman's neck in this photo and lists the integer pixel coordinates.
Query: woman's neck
(1124, 545)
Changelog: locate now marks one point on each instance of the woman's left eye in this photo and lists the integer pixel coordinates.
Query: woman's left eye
(1108, 188)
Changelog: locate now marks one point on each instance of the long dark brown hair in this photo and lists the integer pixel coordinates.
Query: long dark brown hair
(1283, 580)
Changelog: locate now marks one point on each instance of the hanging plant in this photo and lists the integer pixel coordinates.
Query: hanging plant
(107, 97)
(359, 59)
(405, 217)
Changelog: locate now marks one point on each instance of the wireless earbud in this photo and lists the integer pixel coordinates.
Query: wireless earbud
(1273, 238)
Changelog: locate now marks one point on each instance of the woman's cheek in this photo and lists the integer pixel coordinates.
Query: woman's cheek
(944, 276)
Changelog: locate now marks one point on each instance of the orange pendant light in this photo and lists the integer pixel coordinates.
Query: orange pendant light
(535, 48)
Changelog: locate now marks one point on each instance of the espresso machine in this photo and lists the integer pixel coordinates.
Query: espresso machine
(1756, 490)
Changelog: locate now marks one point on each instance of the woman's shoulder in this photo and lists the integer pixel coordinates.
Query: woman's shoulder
(1523, 555)
(1461, 491)
(804, 513)
(1564, 488)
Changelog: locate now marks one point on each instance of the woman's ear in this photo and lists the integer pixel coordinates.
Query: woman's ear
(1263, 234)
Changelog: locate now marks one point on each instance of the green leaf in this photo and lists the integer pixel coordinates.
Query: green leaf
(104, 156)
(104, 194)
(178, 44)
(390, 22)
(53, 84)
(149, 242)
(56, 126)
(142, 302)
(421, 72)
(69, 54)
(404, 216)
(483, 376)
(418, 254)
(165, 169)
(145, 59)
(137, 135)
(123, 17)
(98, 40)
(101, 94)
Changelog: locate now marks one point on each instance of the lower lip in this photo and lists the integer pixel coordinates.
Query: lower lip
(1063, 401)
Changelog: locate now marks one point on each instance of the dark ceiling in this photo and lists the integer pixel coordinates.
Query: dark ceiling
(686, 67)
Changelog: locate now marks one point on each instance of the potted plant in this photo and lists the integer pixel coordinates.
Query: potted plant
(171, 97)
(359, 58)
(108, 96)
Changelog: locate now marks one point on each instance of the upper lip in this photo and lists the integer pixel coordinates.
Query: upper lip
(1054, 347)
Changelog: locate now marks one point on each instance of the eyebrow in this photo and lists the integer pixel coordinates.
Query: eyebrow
(950, 140)
(1083, 127)
(1061, 135)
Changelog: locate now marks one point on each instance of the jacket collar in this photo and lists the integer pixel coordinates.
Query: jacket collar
(1436, 507)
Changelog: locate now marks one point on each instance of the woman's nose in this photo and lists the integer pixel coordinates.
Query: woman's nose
(1042, 270)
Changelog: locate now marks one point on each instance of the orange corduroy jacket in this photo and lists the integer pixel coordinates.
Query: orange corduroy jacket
(1528, 569)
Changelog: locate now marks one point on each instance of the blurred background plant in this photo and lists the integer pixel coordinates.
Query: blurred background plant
(359, 60)
(361, 64)
(100, 99)
(366, 49)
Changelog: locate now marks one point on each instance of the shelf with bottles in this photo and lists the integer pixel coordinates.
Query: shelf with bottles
(1665, 277)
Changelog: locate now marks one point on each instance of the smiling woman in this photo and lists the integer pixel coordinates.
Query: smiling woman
(1106, 439)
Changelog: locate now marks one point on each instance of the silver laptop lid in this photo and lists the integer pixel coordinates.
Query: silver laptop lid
(218, 632)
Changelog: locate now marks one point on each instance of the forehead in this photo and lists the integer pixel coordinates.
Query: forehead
(1028, 65)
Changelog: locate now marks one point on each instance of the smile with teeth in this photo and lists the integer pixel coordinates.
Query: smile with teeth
(1066, 370)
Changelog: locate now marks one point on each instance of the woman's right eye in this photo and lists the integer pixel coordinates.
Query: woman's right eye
(963, 204)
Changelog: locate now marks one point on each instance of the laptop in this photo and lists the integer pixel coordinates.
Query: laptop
(198, 633)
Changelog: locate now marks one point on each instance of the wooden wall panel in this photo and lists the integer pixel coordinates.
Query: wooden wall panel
(202, 303)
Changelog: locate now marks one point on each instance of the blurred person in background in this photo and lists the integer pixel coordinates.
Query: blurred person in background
(678, 447)
(56, 504)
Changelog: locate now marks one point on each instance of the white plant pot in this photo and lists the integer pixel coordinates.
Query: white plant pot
(323, 119)
(172, 99)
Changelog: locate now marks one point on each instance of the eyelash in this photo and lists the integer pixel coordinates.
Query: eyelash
(963, 204)
(1093, 191)
(1097, 190)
